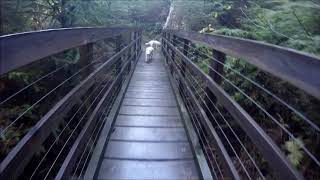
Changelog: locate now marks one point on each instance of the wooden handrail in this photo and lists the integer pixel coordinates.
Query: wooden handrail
(20, 155)
(23, 48)
(221, 150)
(270, 151)
(68, 164)
(298, 68)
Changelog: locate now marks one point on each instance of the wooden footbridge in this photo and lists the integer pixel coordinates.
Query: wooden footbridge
(113, 116)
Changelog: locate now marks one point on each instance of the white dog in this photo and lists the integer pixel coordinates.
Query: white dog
(154, 43)
(149, 53)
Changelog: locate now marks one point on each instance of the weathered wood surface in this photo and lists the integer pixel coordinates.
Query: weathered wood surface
(215, 139)
(83, 138)
(298, 68)
(17, 50)
(109, 121)
(149, 140)
(268, 148)
(21, 154)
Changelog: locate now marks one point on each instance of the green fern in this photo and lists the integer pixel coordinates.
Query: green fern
(295, 154)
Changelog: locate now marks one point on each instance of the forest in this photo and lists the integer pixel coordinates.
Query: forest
(288, 23)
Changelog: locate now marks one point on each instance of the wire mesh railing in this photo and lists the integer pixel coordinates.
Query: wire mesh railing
(246, 127)
(67, 116)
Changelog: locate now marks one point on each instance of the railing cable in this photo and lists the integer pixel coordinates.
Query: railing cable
(41, 78)
(46, 95)
(65, 127)
(43, 97)
(103, 121)
(269, 115)
(83, 117)
(96, 136)
(240, 161)
(242, 145)
(200, 137)
(272, 118)
(301, 115)
(70, 135)
(33, 83)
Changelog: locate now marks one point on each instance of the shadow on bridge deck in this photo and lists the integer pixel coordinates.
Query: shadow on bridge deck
(148, 139)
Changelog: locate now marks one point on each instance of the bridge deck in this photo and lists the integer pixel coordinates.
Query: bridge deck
(149, 140)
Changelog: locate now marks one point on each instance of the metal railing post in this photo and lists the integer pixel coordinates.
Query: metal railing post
(139, 41)
(218, 67)
(183, 64)
(185, 52)
(130, 50)
(174, 43)
(210, 98)
(86, 57)
(164, 46)
(135, 46)
(117, 49)
(168, 48)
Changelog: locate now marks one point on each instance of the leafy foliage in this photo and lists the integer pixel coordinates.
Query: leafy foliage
(289, 23)
(295, 154)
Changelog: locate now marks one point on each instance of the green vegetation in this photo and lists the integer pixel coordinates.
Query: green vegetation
(19, 15)
(289, 23)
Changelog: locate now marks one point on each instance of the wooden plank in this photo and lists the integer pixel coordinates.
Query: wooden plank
(149, 102)
(148, 78)
(270, 151)
(23, 48)
(151, 84)
(158, 81)
(153, 90)
(158, 68)
(148, 121)
(150, 89)
(149, 134)
(151, 73)
(161, 95)
(145, 74)
(153, 77)
(149, 111)
(148, 151)
(298, 68)
(149, 68)
(126, 169)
